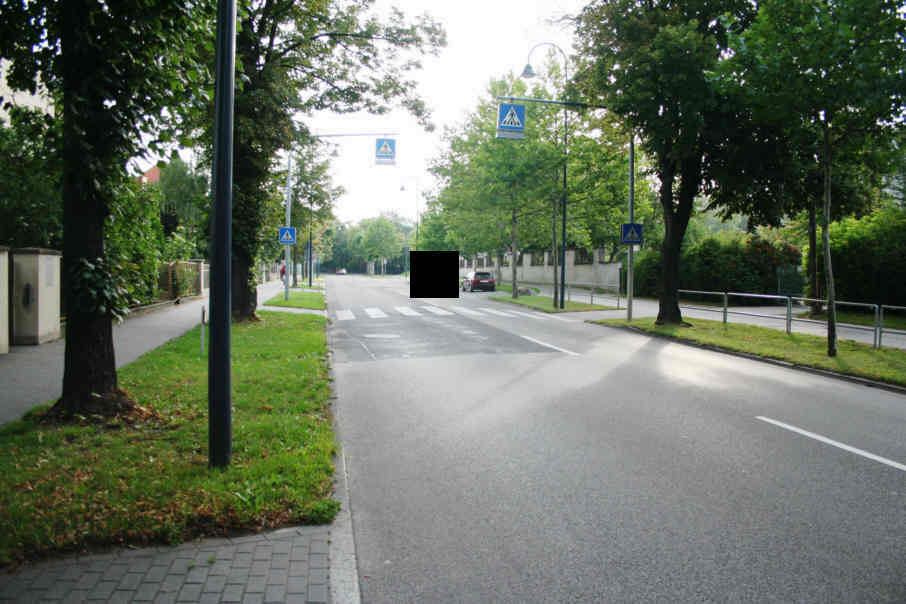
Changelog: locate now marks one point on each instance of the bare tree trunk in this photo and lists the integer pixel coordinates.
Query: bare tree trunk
(814, 284)
(828, 266)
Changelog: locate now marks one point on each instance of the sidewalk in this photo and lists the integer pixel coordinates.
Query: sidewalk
(287, 565)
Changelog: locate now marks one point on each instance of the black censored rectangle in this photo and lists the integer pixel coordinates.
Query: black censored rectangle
(434, 274)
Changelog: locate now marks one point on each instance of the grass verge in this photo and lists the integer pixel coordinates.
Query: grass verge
(70, 487)
(297, 299)
(543, 303)
(853, 358)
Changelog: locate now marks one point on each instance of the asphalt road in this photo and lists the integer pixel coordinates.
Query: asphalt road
(528, 458)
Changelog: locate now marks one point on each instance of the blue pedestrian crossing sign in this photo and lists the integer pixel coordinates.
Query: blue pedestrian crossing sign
(631, 233)
(287, 235)
(511, 121)
(385, 151)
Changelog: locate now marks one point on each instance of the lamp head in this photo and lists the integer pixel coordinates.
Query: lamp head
(528, 72)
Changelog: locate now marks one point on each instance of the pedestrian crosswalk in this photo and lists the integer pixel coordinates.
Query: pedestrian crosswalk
(371, 312)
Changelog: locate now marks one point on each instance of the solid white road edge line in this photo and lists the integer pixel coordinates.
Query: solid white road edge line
(834, 443)
(540, 343)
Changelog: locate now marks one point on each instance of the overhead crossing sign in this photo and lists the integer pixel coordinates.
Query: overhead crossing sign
(287, 236)
(511, 121)
(385, 151)
(631, 233)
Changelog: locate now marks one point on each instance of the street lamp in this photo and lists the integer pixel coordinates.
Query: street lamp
(528, 72)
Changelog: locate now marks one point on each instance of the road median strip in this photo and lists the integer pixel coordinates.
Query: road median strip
(883, 367)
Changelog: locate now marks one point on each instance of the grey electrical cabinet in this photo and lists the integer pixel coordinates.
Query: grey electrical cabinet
(35, 300)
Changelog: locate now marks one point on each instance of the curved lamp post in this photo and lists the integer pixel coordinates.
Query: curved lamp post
(528, 72)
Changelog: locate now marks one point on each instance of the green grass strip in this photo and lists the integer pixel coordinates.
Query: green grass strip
(297, 299)
(543, 303)
(853, 358)
(64, 488)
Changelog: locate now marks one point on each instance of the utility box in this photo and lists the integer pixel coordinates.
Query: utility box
(4, 300)
(35, 300)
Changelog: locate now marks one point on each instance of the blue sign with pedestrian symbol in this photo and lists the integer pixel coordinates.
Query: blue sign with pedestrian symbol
(385, 151)
(631, 233)
(287, 235)
(511, 121)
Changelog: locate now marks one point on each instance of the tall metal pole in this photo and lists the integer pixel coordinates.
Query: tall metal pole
(289, 205)
(529, 72)
(563, 236)
(631, 221)
(310, 250)
(219, 379)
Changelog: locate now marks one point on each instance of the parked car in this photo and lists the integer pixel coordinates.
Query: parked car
(478, 280)
(341, 271)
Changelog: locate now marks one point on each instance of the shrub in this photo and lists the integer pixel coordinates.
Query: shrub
(720, 264)
(868, 260)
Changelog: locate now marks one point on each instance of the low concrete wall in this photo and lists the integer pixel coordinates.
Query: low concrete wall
(597, 274)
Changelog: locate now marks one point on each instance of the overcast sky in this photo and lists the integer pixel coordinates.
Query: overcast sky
(485, 40)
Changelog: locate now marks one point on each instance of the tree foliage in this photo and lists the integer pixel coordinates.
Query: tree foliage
(297, 57)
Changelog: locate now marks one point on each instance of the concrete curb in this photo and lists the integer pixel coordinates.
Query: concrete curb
(822, 372)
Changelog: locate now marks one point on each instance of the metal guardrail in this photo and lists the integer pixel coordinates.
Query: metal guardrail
(877, 329)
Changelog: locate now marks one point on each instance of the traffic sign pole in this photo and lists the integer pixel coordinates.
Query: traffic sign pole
(289, 163)
(631, 221)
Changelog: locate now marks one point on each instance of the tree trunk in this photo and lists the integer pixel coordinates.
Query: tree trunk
(89, 365)
(814, 284)
(828, 267)
(244, 294)
(554, 254)
(676, 219)
(515, 253)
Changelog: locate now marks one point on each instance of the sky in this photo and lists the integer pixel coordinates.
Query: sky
(485, 40)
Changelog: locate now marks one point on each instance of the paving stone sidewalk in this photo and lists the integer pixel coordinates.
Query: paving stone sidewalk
(289, 565)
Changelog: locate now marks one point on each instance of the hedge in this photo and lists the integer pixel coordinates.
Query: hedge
(749, 265)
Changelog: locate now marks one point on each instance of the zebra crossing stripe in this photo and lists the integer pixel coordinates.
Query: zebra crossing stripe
(375, 313)
(405, 310)
(468, 311)
(345, 315)
(527, 314)
(496, 312)
(436, 310)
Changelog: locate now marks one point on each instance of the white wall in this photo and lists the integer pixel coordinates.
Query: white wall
(606, 275)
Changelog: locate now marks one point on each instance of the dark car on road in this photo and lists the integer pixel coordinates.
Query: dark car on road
(478, 280)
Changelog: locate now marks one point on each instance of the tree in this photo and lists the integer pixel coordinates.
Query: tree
(297, 57)
(380, 239)
(834, 68)
(113, 68)
(649, 63)
(493, 188)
